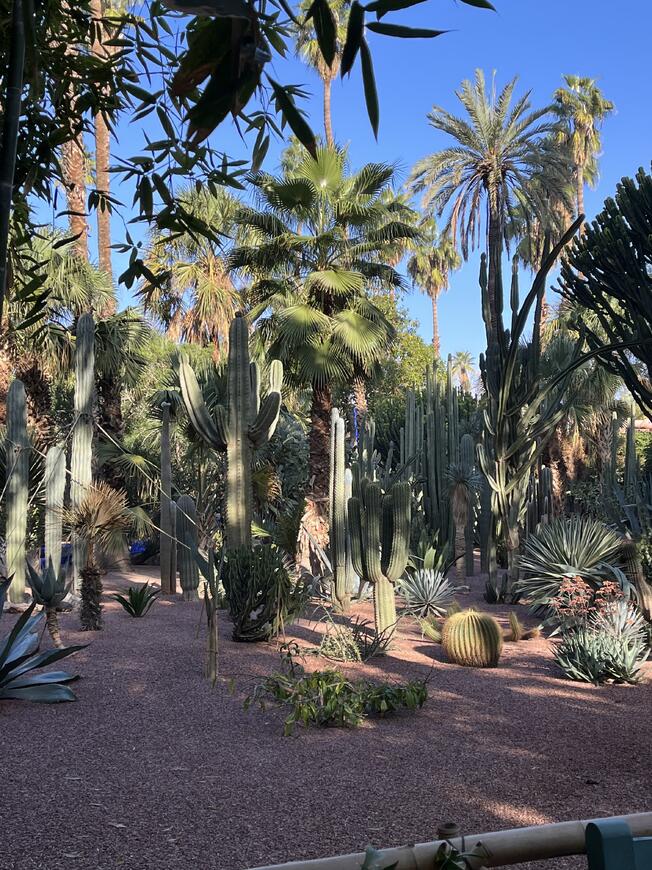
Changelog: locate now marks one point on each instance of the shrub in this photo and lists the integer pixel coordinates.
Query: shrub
(354, 641)
(610, 646)
(138, 600)
(426, 592)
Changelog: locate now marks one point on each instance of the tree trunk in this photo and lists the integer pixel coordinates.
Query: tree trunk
(434, 298)
(102, 161)
(360, 395)
(90, 613)
(74, 173)
(328, 118)
(494, 277)
(314, 524)
(52, 623)
(580, 194)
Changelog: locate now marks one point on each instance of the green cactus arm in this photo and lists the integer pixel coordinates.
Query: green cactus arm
(211, 431)
(254, 393)
(355, 524)
(399, 545)
(371, 527)
(263, 427)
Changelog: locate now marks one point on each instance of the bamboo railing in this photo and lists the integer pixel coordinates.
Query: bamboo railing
(501, 848)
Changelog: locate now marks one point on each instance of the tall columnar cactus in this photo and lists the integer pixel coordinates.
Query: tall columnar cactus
(17, 458)
(55, 485)
(380, 537)
(81, 460)
(167, 547)
(247, 425)
(186, 547)
(339, 515)
(472, 639)
(631, 462)
(467, 461)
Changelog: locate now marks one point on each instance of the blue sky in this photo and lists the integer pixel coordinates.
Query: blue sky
(536, 41)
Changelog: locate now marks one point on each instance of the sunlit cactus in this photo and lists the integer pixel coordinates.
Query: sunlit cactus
(17, 453)
(81, 468)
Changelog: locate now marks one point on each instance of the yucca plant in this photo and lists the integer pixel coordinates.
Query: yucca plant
(138, 599)
(49, 590)
(576, 546)
(426, 592)
(100, 521)
(19, 657)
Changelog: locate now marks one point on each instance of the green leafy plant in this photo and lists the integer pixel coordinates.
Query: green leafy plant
(426, 592)
(20, 657)
(138, 600)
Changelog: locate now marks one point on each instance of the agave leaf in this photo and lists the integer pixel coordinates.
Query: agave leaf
(45, 694)
(23, 628)
(42, 679)
(43, 659)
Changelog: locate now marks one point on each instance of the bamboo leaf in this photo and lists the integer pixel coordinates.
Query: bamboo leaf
(403, 32)
(325, 29)
(294, 117)
(354, 36)
(370, 90)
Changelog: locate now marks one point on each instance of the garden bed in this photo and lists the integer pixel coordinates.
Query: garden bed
(153, 770)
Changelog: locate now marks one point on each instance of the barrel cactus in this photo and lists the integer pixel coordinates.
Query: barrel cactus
(472, 639)
(186, 546)
(17, 488)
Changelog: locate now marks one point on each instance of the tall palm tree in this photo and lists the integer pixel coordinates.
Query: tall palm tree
(463, 368)
(308, 48)
(429, 268)
(496, 151)
(195, 299)
(315, 254)
(582, 108)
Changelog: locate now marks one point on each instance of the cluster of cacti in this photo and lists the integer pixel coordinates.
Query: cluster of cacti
(472, 639)
(17, 489)
(247, 425)
(81, 459)
(380, 543)
(340, 490)
(186, 535)
(55, 485)
(168, 544)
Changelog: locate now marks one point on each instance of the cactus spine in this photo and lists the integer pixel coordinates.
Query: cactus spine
(472, 639)
(55, 484)
(17, 458)
(168, 570)
(339, 515)
(81, 468)
(249, 424)
(380, 536)
(186, 545)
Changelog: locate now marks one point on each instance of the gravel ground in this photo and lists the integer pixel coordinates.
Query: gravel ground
(153, 770)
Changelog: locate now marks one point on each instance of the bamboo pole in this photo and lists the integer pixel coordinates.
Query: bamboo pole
(502, 848)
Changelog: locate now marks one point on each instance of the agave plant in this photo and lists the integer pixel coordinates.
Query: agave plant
(576, 546)
(138, 600)
(19, 657)
(426, 592)
(49, 590)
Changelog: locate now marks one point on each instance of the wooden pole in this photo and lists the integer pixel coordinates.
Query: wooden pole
(503, 848)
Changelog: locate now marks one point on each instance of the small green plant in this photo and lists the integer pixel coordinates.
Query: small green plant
(49, 590)
(352, 641)
(328, 699)
(138, 600)
(426, 592)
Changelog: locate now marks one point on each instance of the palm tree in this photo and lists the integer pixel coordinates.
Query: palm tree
(463, 368)
(308, 48)
(194, 299)
(582, 108)
(429, 267)
(315, 254)
(496, 151)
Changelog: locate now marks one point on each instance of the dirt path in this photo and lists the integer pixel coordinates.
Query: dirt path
(153, 770)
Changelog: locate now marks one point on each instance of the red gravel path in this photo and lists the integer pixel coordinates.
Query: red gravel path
(153, 770)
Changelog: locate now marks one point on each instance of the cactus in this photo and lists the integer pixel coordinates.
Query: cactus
(81, 468)
(467, 461)
(173, 542)
(338, 516)
(248, 425)
(380, 537)
(472, 639)
(168, 575)
(17, 453)
(55, 484)
(186, 545)
(631, 463)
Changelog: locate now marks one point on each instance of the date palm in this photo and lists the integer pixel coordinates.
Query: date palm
(582, 108)
(429, 267)
(195, 299)
(495, 153)
(315, 256)
(463, 369)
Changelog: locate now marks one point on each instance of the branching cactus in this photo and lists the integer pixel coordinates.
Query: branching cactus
(55, 485)
(338, 515)
(81, 460)
(247, 425)
(168, 570)
(186, 546)
(380, 537)
(17, 452)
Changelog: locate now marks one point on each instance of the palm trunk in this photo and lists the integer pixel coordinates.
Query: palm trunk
(74, 173)
(52, 622)
(580, 195)
(90, 613)
(39, 399)
(102, 161)
(314, 524)
(360, 395)
(434, 297)
(494, 277)
(328, 118)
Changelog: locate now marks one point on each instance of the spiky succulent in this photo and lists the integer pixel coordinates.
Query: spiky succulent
(426, 592)
(138, 599)
(49, 590)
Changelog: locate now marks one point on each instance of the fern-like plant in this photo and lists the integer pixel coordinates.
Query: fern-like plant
(138, 599)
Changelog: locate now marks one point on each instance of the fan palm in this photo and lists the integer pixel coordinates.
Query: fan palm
(317, 251)
(462, 367)
(429, 267)
(194, 298)
(582, 108)
(496, 152)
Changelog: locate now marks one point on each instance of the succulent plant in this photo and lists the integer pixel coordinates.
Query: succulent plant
(81, 467)
(339, 511)
(49, 590)
(17, 453)
(426, 592)
(472, 639)
(186, 534)
(55, 484)
(138, 599)
(168, 568)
